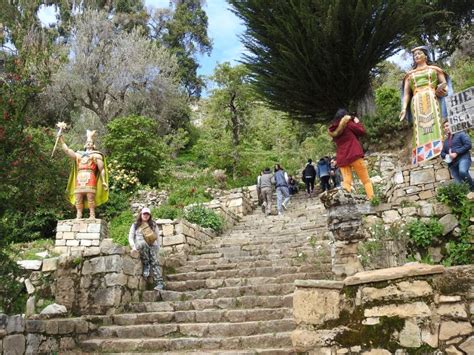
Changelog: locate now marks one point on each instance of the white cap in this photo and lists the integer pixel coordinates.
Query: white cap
(146, 210)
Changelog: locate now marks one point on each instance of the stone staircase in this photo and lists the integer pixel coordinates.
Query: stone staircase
(232, 296)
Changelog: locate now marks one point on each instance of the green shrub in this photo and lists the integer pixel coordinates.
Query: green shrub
(117, 203)
(380, 127)
(460, 250)
(134, 145)
(12, 293)
(186, 194)
(120, 226)
(423, 233)
(167, 212)
(204, 217)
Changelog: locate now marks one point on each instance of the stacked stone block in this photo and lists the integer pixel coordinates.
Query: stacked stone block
(345, 223)
(76, 235)
(41, 336)
(101, 280)
(414, 183)
(411, 308)
(178, 238)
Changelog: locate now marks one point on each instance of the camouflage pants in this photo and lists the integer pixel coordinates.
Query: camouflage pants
(150, 259)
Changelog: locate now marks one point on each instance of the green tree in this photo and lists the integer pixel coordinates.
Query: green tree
(231, 102)
(32, 190)
(308, 58)
(113, 72)
(445, 29)
(183, 29)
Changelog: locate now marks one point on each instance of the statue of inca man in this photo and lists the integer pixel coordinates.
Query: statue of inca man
(88, 181)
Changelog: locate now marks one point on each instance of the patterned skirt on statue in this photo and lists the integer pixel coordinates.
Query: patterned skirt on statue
(427, 118)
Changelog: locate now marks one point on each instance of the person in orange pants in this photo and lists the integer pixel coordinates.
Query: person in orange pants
(345, 131)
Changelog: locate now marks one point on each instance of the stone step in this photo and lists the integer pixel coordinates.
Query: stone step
(252, 248)
(275, 263)
(191, 283)
(274, 228)
(266, 249)
(316, 271)
(270, 351)
(275, 241)
(196, 329)
(262, 255)
(269, 340)
(225, 292)
(205, 316)
(241, 302)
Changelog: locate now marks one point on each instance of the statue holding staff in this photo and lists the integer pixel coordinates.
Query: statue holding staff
(423, 91)
(88, 181)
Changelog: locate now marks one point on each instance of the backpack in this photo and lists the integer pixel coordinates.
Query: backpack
(309, 171)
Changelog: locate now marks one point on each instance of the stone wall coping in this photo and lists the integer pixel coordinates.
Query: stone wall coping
(86, 220)
(320, 284)
(407, 270)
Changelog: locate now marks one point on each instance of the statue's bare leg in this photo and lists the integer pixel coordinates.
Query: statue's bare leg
(79, 205)
(91, 201)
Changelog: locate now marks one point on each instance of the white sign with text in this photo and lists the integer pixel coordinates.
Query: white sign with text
(460, 108)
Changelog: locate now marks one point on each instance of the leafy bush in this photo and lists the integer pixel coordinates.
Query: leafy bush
(120, 226)
(117, 203)
(460, 251)
(380, 128)
(167, 212)
(204, 217)
(134, 144)
(121, 179)
(184, 194)
(32, 196)
(423, 233)
(12, 293)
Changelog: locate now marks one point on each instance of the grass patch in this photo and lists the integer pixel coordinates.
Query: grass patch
(28, 251)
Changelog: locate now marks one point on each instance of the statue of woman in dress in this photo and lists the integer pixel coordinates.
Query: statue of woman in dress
(423, 92)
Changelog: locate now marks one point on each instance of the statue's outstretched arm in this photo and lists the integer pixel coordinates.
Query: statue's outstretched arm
(69, 152)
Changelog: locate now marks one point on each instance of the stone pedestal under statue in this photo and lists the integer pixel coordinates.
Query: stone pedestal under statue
(75, 235)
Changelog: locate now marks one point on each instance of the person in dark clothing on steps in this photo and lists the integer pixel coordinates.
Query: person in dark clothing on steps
(323, 173)
(335, 173)
(292, 185)
(308, 176)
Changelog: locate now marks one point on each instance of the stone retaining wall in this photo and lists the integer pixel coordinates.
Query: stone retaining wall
(419, 182)
(415, 307)
(42, 336)
(390, 249)
(178, 238)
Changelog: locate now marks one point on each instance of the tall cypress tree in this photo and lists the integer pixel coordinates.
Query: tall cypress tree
(309, 57)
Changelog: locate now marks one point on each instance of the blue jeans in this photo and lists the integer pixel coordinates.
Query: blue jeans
(282, 191)
(460, 170)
